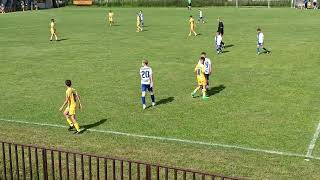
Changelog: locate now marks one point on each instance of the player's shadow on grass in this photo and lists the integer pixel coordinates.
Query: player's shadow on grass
(228, 46)
(93, 125)
(63, 39)
(165, 101)
(216, 90)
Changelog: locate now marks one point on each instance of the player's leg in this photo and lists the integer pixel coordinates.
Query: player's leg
(194, 32)
(74, 120)
(258, 49)
(204, 91)
(153, 100)
(190, 32)
(195, 91)
(55, 36)
(66, 115)
(265, 50)
(143, 95)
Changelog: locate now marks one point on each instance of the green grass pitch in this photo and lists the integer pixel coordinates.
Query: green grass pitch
(267, 102)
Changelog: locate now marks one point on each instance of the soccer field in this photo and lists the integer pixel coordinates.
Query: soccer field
(259, 121)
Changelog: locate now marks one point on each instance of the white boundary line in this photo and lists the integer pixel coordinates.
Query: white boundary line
(313, 142)
(172, 139)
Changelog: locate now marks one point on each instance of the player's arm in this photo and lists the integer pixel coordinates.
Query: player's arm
(64, 103)
(78, 100)
(151, 79)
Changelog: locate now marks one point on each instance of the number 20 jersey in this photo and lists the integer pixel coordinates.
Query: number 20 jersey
(145, 74)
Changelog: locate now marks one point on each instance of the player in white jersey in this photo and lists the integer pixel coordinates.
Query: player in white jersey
(201, 17)
(218, 42)
(260, 43)
(208, 68)
(141, 17)
(146, 83)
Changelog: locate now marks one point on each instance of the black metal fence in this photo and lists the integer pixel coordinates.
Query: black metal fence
(20, 161)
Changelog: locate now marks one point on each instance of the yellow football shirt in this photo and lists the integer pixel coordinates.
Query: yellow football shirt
(138, 21)
(191, 21)
(200, 69)
(110, 16)
(71, 96)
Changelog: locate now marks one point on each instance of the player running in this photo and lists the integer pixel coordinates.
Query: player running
(139, 28)
(53, 30)
(218, 42)
(146, 83)
(141, 16)
(110, 16)
(260, 43)
(192, 26)
(207, 68)
(72, 97)
(200, 70)
(201, 17)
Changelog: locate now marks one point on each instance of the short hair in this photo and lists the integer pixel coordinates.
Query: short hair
(203, 53)
(258, 29)
(190, 15)
(145, 61)
(52, 20)
(203, 58)
(68, 83)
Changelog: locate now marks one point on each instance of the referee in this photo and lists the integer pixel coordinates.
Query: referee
(221, 28)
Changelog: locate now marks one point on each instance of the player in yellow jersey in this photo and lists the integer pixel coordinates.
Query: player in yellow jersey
(53, 30)
(192, 26)
(200, 70)
(110, 16)
(139, 28)
(72, 98)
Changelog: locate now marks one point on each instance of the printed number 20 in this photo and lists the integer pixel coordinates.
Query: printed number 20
(145, 74)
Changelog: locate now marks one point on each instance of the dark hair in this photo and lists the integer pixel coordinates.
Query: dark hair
(258, 29)
(68, 83)
(203, 58)
(204, 53)
(190, 15)
(52, 20)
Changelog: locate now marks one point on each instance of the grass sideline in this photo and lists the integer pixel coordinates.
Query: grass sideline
(266, 102)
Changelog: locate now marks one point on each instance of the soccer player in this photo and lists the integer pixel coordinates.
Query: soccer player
(200, 70)
(141, 16)
(207, 68)
(201, 17)
(110, 16)
(146, 83)
(72, 97)
(218, 42)
(2, 9)
(260, 43)
(22, 5)
(53, 30)
(139, 28)
(192, 26)
(189, 4)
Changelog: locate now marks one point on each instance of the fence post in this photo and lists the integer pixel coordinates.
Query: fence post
(17, 161)
(4, 161)
(23, 164)
(52, 165)
(10, 162)
(45, 164)
(30, 161)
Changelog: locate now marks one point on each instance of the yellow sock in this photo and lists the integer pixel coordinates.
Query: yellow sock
(69, 122)
(203, 92)
(196, 90)
(76, 125)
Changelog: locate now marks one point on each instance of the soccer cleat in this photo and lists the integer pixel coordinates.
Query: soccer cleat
(70, 128)
(205, 97)
(144, 106)
(192, 95)
(77, 132)
(153, 104)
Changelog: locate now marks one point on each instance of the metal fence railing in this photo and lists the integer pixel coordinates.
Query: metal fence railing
(20, 161)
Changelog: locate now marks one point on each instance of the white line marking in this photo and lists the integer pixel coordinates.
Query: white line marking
(170, 139)
(313, 141)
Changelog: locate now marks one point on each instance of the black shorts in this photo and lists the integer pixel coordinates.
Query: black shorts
(189, 4)
(207, 76)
